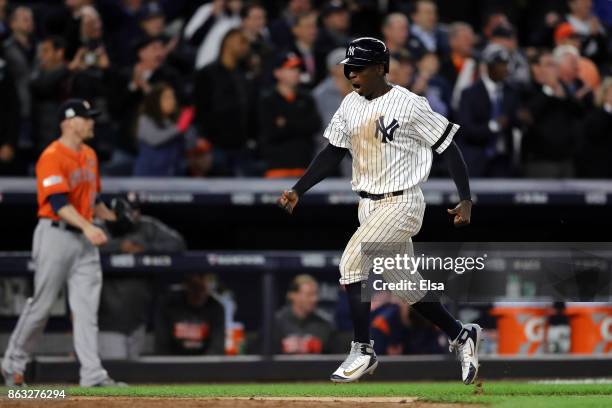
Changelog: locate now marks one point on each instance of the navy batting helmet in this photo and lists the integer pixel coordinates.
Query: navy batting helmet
(367, 51)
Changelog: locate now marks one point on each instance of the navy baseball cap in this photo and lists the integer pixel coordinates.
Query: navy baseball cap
(76, 107)
(151, 10)
(335, 6)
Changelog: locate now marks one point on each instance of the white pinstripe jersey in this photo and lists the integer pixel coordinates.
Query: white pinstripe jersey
(390, 138)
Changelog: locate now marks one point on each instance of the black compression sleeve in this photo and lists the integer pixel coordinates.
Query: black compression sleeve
(322, 166)
(458, 170)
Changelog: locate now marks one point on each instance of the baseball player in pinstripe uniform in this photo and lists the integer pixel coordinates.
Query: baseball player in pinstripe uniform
(391, 135)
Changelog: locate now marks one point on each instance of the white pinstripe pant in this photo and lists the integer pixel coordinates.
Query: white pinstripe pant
(385, 228)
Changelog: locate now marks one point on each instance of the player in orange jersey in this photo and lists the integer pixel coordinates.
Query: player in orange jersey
(65, 247)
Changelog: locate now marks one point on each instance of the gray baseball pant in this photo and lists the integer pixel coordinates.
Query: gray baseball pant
(61, 256)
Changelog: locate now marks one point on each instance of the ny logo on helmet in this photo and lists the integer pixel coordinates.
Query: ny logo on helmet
(351, 51)
(386, 132)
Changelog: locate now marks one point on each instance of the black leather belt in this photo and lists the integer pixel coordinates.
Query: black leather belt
(375, 197)
(64, 226)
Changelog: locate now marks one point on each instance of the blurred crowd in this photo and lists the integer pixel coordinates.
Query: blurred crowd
(239, 88)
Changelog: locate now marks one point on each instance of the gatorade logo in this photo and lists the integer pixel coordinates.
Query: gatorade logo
(535, 329)
(606, 328)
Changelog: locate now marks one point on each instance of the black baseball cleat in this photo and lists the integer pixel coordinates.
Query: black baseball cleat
(466, 347)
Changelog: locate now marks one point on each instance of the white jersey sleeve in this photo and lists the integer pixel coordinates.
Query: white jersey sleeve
(337, 131)
(431, 127)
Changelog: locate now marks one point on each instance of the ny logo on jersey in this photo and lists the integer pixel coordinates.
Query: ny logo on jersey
(386, 132)
(351, 51)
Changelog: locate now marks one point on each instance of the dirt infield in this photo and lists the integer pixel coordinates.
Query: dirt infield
(258, 402)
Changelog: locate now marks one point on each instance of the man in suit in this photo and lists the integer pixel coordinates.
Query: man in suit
(425, 33)
(487, 115)
(305, 33)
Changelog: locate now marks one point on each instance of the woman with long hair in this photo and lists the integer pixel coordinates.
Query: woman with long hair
(160, 141)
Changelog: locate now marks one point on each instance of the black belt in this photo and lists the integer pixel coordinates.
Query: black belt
(64, 226)
(375, 197)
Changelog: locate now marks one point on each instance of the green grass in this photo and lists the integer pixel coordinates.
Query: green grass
(503, 394)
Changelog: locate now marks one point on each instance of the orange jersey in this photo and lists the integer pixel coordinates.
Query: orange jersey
(63, 170)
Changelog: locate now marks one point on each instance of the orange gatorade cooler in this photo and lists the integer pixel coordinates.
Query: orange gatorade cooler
(591, 327)
(234, 339)
(522, 327)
